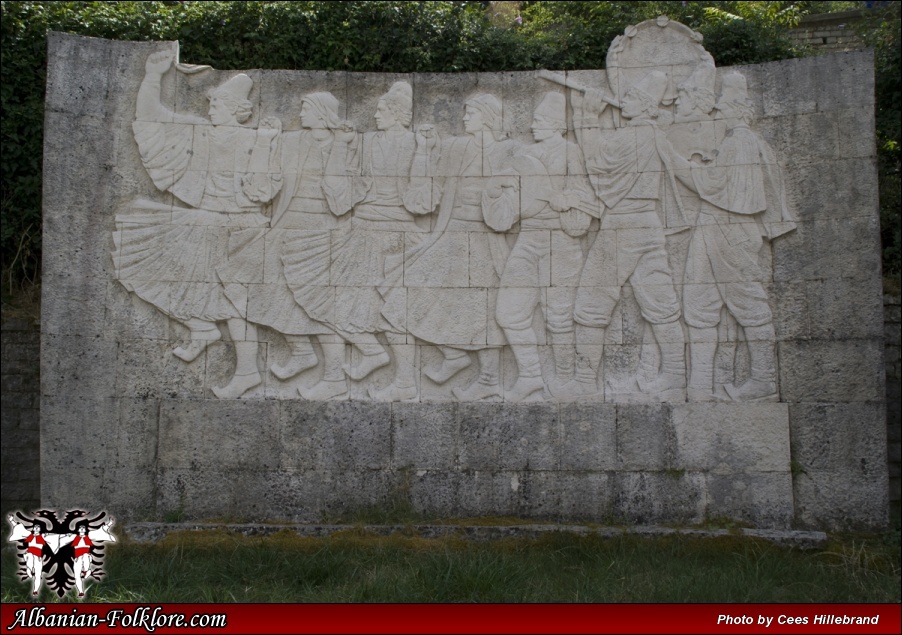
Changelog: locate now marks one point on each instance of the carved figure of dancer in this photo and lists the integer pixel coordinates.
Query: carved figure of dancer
(387, 191)
(169, 256)
(293, 260)
(452, 276)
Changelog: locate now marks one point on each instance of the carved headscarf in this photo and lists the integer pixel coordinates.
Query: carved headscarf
(325, 105)
(490, 109)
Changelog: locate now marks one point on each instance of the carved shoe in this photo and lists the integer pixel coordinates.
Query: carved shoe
(239, 385)
(199, 342)
(393, 393)
(477, 391)
(295, 365)
(526, 389)
(326, 389)
(441, 373)
(666, 386)
(753, 390)
(367, 364)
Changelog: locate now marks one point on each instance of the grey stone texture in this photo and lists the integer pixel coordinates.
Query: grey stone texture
(126, 428)
(20, 381)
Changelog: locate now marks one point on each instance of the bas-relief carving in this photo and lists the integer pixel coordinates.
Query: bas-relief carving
(364, 250)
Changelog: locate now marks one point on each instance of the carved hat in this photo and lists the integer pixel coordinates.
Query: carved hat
(236, 89)
(734, 88)
(553, 108)
(652, 87)
(701, 82)
(489, 107)
(400, 97)
(325, 105)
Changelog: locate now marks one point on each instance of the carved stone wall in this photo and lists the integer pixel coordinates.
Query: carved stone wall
(649, 293)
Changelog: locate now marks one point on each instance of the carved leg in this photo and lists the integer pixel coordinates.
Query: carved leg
(202, 333)
(334, 384)
(247, 375)
(702, 349)
(670, 384)
(529, 385)
(373, 356)
(762, 384)
(301, 358)
(488, 384)
(589, 350)
(564, 352)
(454, 360)
(404, 386)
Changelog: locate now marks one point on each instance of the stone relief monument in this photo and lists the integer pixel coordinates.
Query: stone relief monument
(632, 254)
(456, 243)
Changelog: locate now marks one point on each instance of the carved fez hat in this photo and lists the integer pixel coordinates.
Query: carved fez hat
(553, 108)
(654, 85)
(237, 88)
(734, 88)
(702, 76)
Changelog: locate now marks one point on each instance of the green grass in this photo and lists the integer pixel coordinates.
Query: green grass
(354, 566)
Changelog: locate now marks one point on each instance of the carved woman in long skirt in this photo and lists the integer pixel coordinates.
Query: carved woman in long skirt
(169, 255)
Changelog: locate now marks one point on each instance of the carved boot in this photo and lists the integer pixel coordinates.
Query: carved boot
(564, 362)
(529, 385)
(589, 353)
(239, 385)
(246, 375)
(702, 349)
(670, 384)
(302, 357)
(488, 385)
(326, 389)
(526, 389)
(479, 390)
(762, 384)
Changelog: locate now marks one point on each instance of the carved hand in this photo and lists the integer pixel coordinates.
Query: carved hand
(499, 183)
(269, 128)
(426, 137)
(594, 102)
(159, 62)
(345, 133)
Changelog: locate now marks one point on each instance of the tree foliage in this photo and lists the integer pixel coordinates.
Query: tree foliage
(364, 36)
